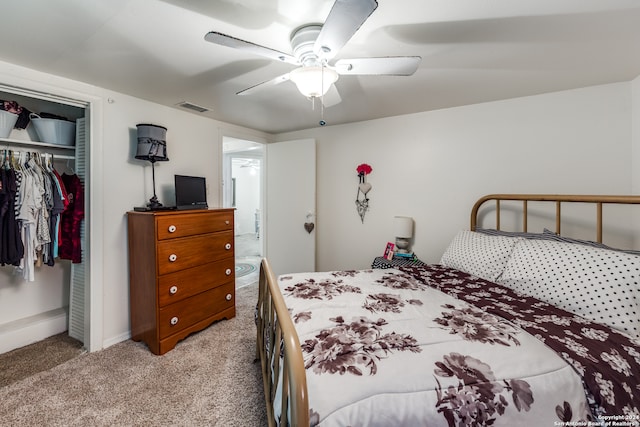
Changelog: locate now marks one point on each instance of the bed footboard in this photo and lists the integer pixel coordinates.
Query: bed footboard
(280, 354)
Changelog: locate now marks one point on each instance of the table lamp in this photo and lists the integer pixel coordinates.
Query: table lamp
(152, 146)
(403, 230)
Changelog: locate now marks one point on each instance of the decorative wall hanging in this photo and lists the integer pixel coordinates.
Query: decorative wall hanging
(309, 225)
(363, 187)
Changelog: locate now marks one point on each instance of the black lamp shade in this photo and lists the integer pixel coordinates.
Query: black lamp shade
(152, 143)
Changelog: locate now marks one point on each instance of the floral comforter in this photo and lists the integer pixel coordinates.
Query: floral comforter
(433, 346)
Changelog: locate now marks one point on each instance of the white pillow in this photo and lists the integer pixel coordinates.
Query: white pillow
(598, 284)
(479, 254)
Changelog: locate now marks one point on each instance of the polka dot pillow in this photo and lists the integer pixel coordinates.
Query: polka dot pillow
(599, 284)
(479, 254)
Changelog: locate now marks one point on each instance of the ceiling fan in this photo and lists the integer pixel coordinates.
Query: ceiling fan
(314, 45)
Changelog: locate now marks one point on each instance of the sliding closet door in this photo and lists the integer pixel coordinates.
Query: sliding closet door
(77, 295)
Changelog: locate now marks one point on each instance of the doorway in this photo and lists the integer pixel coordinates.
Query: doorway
(242, 181)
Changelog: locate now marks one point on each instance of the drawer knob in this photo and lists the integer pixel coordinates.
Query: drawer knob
(173, 257)
(228, 272)
(227, 222)
(228, 297)
(173, 290)
(172, 229)
(174, 320)
(227, 246)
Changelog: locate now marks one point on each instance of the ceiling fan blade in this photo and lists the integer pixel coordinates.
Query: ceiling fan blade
(388, 66)
(272, 82)
(229, 41)
(344, 19)
(332, 97)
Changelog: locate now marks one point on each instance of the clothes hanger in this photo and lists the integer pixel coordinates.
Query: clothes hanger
(22, 160)
(70, 168)
(13, 161)
(49, 161)
(8, 154)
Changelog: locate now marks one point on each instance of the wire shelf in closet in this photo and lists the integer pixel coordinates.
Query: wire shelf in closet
(22, 142)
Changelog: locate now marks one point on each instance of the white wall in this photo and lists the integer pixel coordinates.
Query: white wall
(194, 148)
(432, 166)
(247, 198)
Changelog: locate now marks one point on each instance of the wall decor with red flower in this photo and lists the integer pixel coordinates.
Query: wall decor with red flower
(362, 203)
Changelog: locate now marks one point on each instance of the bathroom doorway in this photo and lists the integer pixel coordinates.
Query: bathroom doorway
(243, 190)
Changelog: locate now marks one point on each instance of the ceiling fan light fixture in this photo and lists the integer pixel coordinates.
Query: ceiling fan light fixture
(313, 81)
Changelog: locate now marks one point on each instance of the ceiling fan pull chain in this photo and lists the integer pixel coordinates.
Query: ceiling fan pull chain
(322, 122)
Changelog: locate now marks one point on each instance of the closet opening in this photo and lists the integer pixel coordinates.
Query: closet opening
(43, 289)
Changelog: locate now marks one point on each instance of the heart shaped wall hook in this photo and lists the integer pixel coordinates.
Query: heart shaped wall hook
(365, 187)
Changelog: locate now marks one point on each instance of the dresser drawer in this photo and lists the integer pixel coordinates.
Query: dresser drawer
(182, 314)
(173, 226)
(185, 283)
(179, 254)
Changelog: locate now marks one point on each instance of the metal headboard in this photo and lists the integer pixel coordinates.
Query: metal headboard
(558, 199)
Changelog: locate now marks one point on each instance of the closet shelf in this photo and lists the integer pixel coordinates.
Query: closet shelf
(4, 141)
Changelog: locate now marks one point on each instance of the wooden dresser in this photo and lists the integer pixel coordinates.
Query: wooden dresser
(181, 273)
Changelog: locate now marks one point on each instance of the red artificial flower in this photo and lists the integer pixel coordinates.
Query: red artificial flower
(364, 169)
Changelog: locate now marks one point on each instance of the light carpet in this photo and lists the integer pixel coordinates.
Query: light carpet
(23, 362)
(209, 379)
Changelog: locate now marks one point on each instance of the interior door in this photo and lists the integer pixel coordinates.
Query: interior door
(290, 203)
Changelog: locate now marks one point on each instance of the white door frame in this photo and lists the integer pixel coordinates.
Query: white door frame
(94, 202)
(225, 172)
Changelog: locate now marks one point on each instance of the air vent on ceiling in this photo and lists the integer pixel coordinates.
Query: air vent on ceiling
(194, 107)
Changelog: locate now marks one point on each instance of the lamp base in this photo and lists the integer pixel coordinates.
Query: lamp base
(402, 245)
(154, 204)
(148, 209)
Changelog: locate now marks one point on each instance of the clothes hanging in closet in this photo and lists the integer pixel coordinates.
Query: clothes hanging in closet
(34, 207)
(11, 247)
(71, 220)
(60, 204)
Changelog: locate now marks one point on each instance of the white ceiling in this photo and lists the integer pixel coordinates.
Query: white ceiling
(472, 51)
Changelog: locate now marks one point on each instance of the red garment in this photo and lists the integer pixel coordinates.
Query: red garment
(69, 246)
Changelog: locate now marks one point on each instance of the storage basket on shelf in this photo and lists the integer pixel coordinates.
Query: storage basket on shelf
(7, 122)
(54, 131)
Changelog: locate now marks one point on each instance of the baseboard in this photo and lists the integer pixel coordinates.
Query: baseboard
(21, 332)
(115, 340)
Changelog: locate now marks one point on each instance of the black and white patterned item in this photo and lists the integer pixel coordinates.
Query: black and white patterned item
(598, 284)
(482, 255)
(382, 262)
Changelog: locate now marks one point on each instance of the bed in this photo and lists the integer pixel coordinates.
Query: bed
(510, 328)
